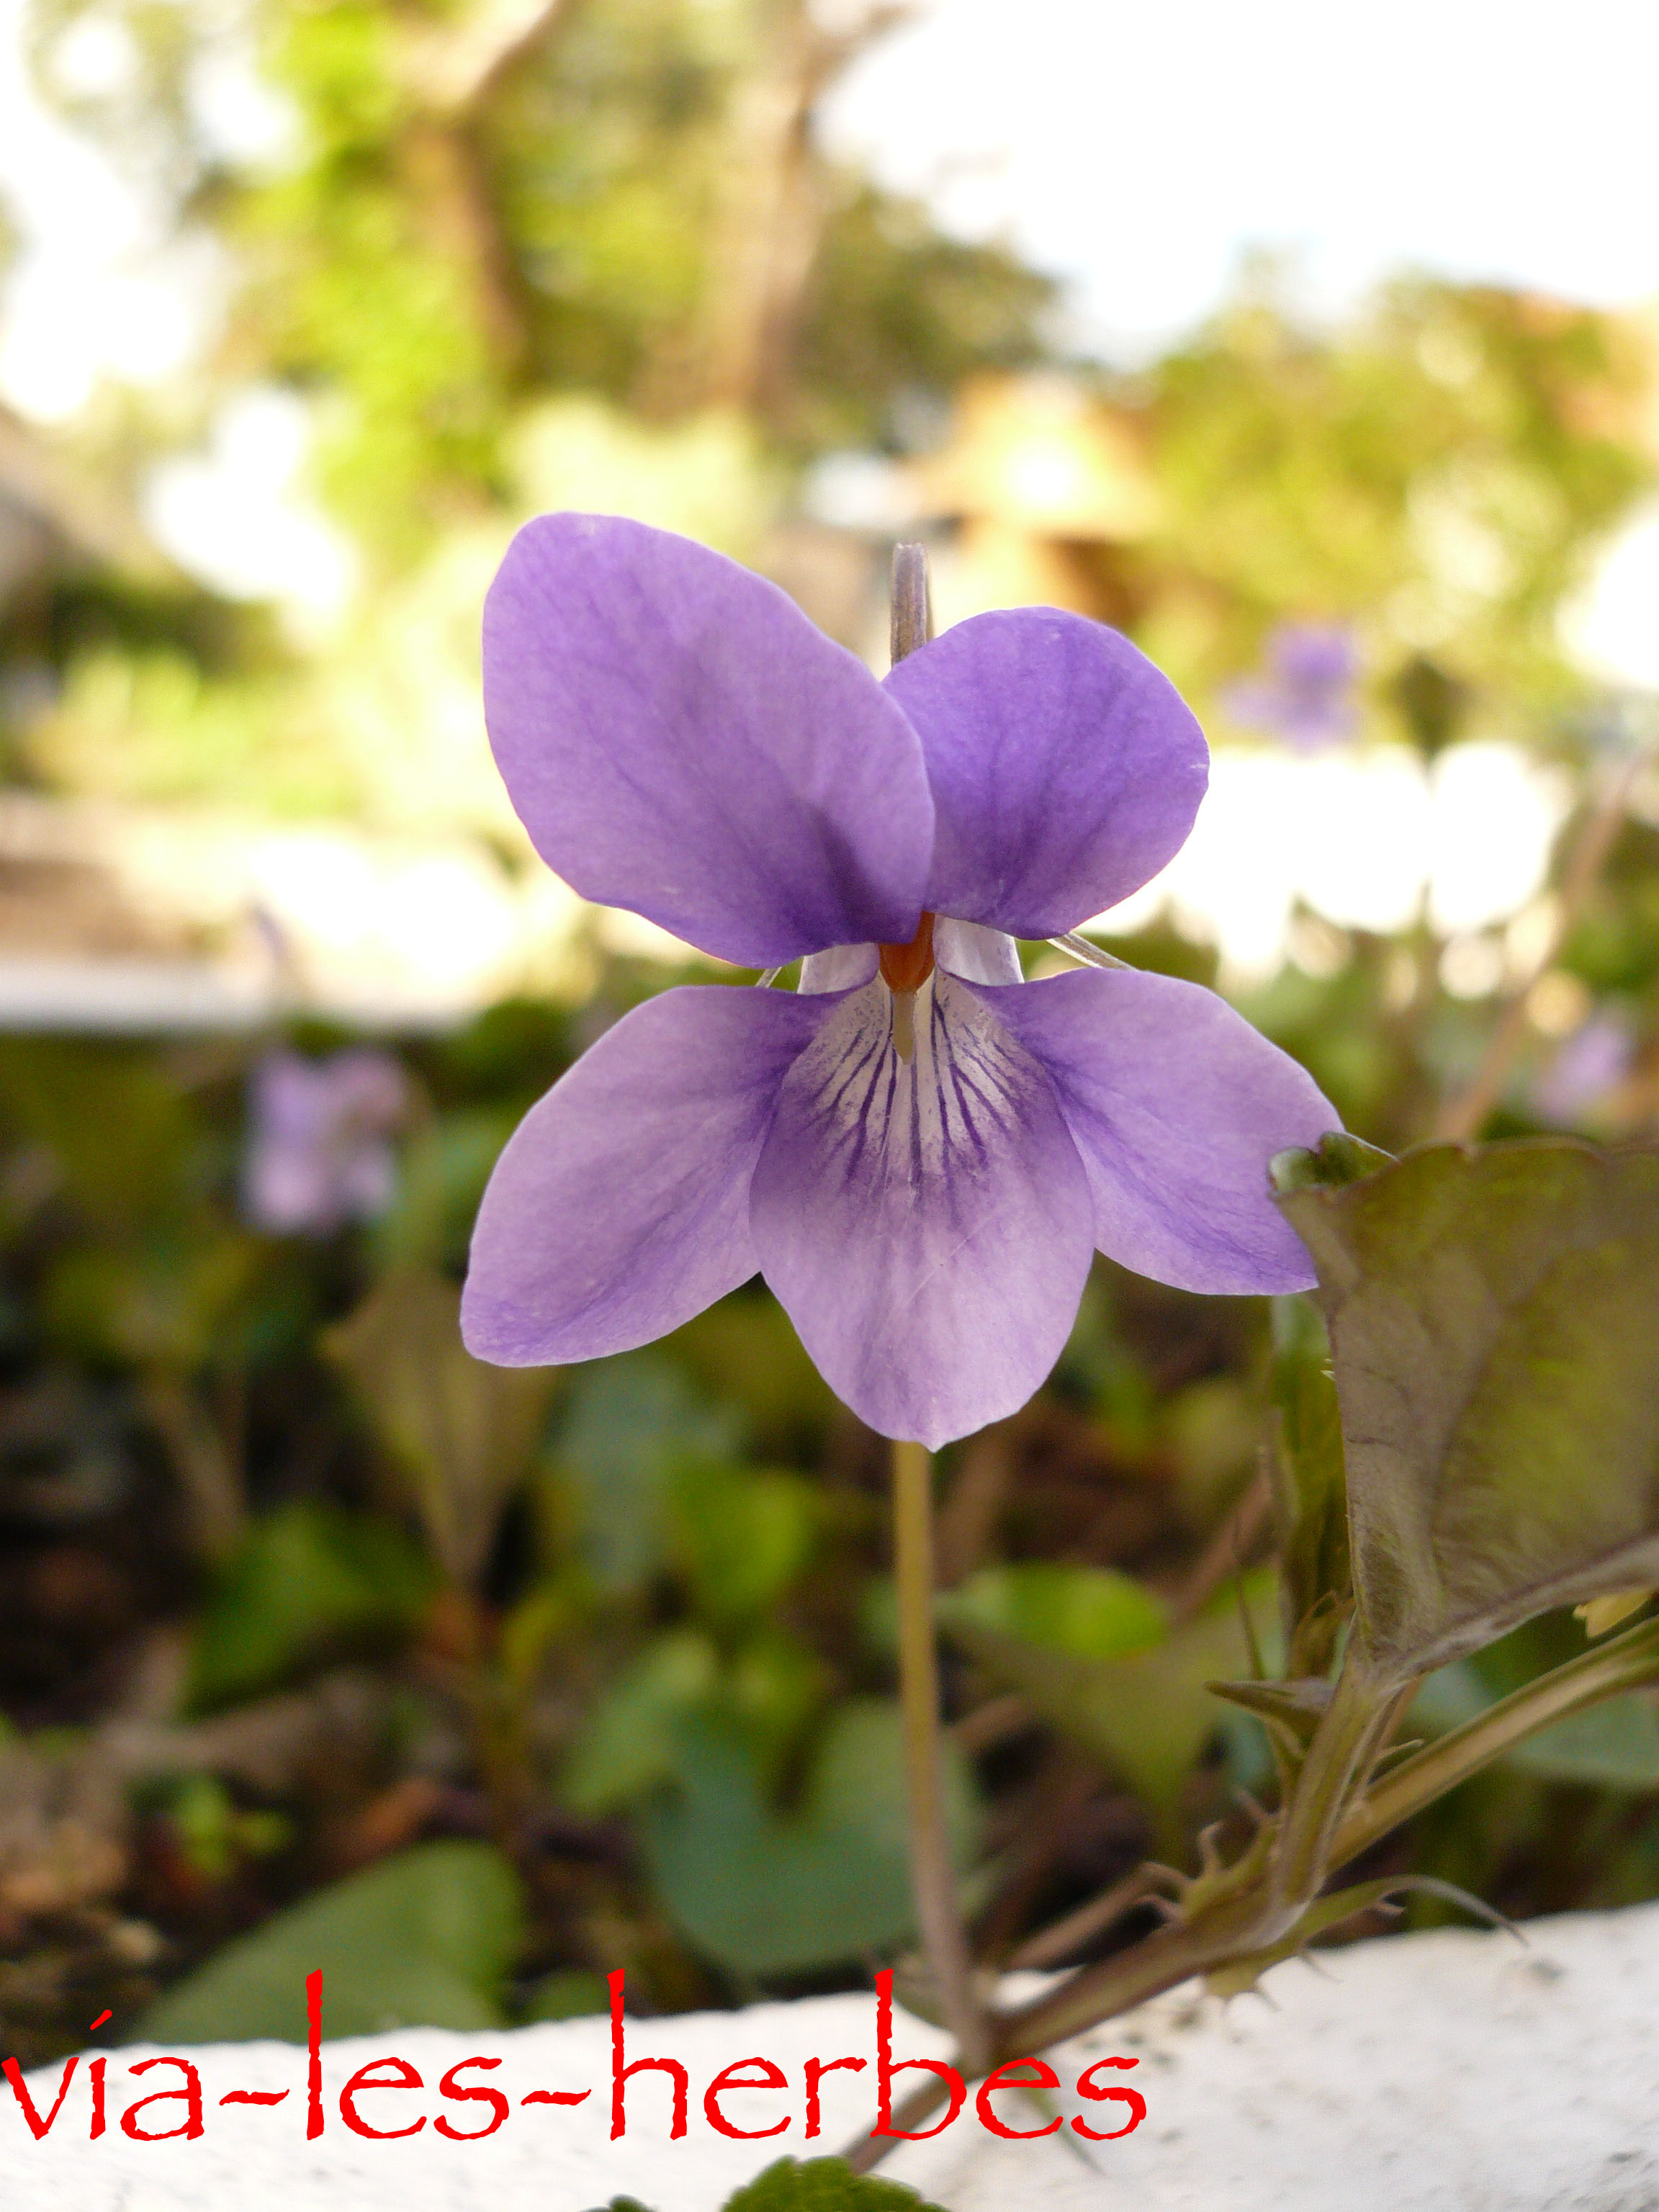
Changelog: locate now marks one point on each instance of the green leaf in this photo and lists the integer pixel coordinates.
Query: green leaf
(1088, 1612)
(1146, 1713)
(765, 1893)
(1492, 1320)
(1309, 1487)
(308, 1582)
(170, 1301)
(631, 1424)
(441, 1177)
(462, 1431)
(629, 1743)
(741, 1537)
(1615, 1746)
(568, 1993)
(773, 1688)
(424, 1939)
(1447, 1698)
(743, 1352)
(67, 1100)
(823, 2184)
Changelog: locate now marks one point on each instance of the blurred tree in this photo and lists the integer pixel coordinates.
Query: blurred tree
(1441, 470)
(485, 205)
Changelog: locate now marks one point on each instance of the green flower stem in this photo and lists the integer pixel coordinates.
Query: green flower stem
(912, 601)
(931, 1873)
(933, 1876)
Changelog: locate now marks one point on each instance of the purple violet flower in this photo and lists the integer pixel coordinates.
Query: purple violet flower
(1306, 697)
(1592, 1062)
(318, 1151)
(918, 1149)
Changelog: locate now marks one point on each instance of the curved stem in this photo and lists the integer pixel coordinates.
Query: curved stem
(932, 1875)
(1629, 1662)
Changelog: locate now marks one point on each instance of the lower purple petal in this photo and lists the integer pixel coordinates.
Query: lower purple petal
(620, 1206)
(926, 1225)
(1176, 1105)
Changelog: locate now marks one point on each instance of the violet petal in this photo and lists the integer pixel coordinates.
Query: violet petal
(926, 1225)
(620, 1206)
(1176, 1105)
(1066, 769)
(978, 954)
(843, 968)
(679, 739)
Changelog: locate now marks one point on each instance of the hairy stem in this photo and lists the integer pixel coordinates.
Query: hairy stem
(1344, 1745)
(1625, 1662)
(932, 1875)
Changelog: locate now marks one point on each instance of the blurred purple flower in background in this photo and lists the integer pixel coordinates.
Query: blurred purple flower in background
(1593, 1062)
(318, 1149)
(1305, 695)
(918, 1149)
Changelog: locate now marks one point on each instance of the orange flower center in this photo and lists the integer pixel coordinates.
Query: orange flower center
(907, 967)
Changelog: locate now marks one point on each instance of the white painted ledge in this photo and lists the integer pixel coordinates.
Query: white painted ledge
(1455, 2072)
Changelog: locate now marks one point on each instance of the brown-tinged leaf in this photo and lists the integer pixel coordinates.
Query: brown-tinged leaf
(1494, 1325)
(462, 1431)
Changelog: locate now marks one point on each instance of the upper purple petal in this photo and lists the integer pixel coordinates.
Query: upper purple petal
(620, 1206)
(1066, 769)
(679, 739)
(925, 1224)
(1176, 1105)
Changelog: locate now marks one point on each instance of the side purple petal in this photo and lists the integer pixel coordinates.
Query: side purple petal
(1066, 769)
(843, 968)
(620, 1206)
(976, 954)
(1176, 1105)
(925, 1224)
(679, 739)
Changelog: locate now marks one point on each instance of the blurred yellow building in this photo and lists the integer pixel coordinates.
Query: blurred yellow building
(1042, 484)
